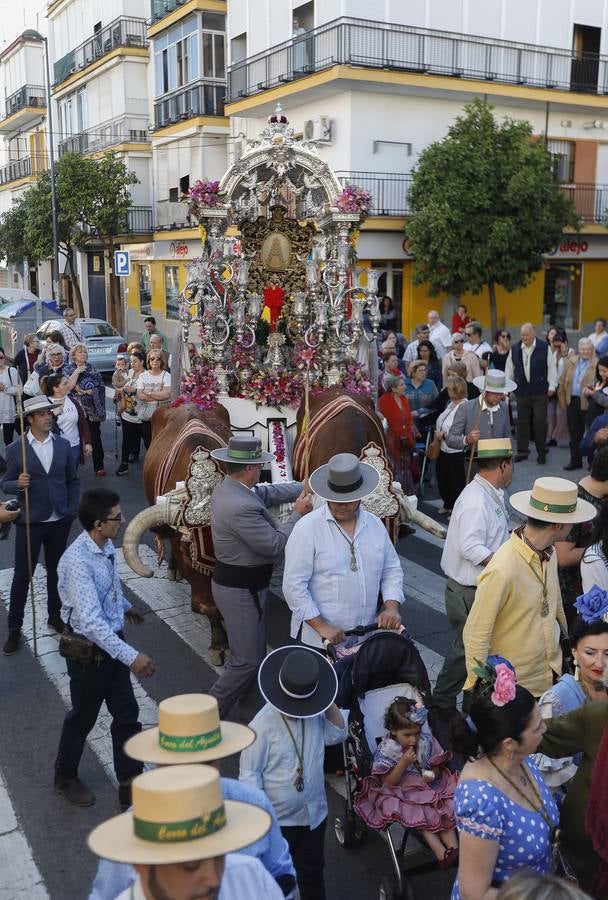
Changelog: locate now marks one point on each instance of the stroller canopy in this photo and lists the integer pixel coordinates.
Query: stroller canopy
(388, 658)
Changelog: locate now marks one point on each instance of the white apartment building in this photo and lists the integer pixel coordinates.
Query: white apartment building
(375, 81)
(23, 149)
(189, 135)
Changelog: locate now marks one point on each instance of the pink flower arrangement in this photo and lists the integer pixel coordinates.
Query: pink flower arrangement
(271, 388)
(242, 357)
(280, 451)
(305, 357)
(504, 685)
(200, 386)
(354, 199)
(203, 194)
(355, 381)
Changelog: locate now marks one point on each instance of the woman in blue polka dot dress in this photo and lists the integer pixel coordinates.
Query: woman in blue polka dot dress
(505, 814)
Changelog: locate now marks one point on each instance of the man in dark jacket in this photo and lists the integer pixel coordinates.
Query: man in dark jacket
(532, 365)
(53, 494)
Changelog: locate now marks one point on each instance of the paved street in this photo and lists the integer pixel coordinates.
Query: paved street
(42, 839)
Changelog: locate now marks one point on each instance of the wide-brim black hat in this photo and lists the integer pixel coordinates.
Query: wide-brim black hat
(244, 450)
(298, 681)
(344, 479)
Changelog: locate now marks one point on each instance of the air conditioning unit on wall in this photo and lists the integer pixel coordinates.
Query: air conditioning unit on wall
(317, 129)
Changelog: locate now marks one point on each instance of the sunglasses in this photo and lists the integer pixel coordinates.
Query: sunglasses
(117, 518)
(458, 341)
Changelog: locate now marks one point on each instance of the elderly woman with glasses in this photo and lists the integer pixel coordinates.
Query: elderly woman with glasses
(54, 360)
(90, 390)
(578, 374)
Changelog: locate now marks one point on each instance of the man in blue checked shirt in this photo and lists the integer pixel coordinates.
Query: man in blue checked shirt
(93, 605)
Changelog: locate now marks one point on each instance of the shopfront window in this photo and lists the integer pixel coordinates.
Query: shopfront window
(171, 292)
(145, 290)
(562, 298)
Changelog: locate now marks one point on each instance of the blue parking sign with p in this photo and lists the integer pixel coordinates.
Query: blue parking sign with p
(122, 263)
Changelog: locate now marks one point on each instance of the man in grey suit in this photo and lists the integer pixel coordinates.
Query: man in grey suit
(493, 422)
(247, 540)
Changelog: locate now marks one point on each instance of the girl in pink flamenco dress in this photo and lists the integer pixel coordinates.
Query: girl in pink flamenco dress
(410, 783)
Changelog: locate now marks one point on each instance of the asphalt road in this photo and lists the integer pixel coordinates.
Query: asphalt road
(33, 817)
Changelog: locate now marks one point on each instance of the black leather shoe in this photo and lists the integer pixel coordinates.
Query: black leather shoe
(552, 443)
(75, 791)
(56, 623)
(12, 643)
(521, 456)
(123, 469)
(541, 459)
(572, 466)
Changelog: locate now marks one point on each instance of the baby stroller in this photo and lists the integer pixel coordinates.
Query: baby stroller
(385, 665)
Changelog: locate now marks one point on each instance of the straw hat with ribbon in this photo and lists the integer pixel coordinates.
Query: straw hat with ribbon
(189, 731)
(179, 815)
(553, 500)
(495, 382)
(494, 448)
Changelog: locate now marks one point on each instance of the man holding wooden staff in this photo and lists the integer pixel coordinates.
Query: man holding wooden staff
(41, 465)
(486, 416)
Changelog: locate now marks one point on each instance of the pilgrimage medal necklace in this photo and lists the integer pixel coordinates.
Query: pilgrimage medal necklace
(353, 555)
(299, 779)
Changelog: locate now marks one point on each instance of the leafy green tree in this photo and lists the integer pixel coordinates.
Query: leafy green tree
(92, 205)
(484, 207)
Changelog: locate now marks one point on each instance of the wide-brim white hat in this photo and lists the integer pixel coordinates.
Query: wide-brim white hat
(553, 500)
(179, 815)
(189, 730)
(495, 381)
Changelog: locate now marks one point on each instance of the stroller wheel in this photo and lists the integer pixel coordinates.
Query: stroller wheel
(389, 890)
(349, 830)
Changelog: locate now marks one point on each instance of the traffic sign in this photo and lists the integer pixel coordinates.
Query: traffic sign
(122, 263)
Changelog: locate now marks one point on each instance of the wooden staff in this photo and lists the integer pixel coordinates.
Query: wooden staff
(307, 430)
(28, 537)
(472, 453)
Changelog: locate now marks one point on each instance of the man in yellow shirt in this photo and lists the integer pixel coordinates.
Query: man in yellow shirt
(518, 610)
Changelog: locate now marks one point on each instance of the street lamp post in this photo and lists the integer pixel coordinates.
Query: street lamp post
(35, 35)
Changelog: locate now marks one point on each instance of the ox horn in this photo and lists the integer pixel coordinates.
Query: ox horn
(160, 514)
(421, 519)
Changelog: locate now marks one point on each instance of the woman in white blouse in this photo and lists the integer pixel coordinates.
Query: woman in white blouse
(9, 379)
(450, 463)
(594, 564)
(69, 417)
(153, 389)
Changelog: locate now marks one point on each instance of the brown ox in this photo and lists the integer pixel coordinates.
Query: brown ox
(339, 423)
(165, 465)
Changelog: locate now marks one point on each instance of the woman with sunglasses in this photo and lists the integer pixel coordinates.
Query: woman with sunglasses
(54, 360)
(500, 350)
(459, 355)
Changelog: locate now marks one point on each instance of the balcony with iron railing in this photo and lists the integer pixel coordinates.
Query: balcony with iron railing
(378, 45)
(30, 95)
(200, 99)
(389, 193)
(122, 32)
(162, 8)
(13, 171)
(121, 130)
(140, 220)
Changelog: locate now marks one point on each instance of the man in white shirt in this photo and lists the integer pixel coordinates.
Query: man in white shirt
(339, 558)
(441, 336)
(178, 835)
(478, 527)
(70, 329)
(476, 345)
(599, 331)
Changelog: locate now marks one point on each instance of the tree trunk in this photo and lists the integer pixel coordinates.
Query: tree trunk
(78, 305)
(493, 310)
(112, 287)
